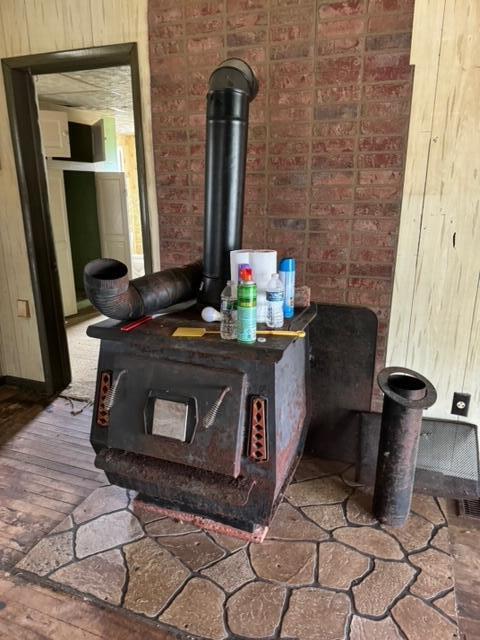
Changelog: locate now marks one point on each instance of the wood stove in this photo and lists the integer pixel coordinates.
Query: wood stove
(210, 429)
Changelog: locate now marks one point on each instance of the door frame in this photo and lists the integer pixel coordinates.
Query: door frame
(32, 181)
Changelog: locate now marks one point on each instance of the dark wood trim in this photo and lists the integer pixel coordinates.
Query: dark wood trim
(23, 114)
(24, 383)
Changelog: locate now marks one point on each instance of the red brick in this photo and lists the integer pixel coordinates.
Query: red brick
(171, 151)
(333, 161)
(383, 143)
(172, 194)
(291, 114)
(392, 91)
(390, 109)
(382, 226)
(246, 37)
(198, 83)
(289, 148)
(290, 98)
(333, 178)
(169, 120)
(295, 224)
(331, 210)
(205, 25)
(173, 208)
(292, 130)
(373, 239)
(285, 33)
(378, 193)
(388, 126)
(171, 164)
(338, 70)
(336, 112)
(289, 193)
(331, 129)
(207, 43)
(327, 225)
(327, 296)
(380, 176)
(387, 66)
(201, 8)
(372, 284)
(293, 14)
(291, 75)
(243, 20)
(341, 28)
(288, 163)
(370, 270)
(173, 85)
(174, 135)
(342, 8)
(288, 179)
(332, 194)
(349, 93)
(246, 5)
(158, 15)
(251, 55)
(167, 32)
(379, 160)
(339, 239)
(327, 268)
(327, 145)
(291, 50)
(167, 47)
(389, 23)
(339, 46)
(172, 179)
(388, 41)
(326, 281)
(329, 254)
(379, 6)
(370, 254)
(368, 298)
(377, 210)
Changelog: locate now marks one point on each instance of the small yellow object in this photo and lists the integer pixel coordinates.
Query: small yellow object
(199, 332)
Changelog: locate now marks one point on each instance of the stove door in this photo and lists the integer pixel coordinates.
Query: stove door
(190, 414)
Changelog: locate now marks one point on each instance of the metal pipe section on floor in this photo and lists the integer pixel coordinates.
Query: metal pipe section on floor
(407, 395)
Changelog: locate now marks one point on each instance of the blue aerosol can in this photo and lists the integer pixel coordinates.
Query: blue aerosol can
(286, 271)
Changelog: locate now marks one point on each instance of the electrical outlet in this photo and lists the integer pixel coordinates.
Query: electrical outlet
(460, 404)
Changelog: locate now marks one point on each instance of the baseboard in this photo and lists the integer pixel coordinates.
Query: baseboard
(24, 383)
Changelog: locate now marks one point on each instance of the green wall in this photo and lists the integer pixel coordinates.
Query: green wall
(81, 200)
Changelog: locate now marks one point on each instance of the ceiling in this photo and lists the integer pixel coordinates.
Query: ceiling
(108, 91)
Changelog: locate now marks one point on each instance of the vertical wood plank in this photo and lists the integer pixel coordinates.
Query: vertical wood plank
(13, 16)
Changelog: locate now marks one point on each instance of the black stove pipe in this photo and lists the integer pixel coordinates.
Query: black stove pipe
(111, 292)
(232, 86)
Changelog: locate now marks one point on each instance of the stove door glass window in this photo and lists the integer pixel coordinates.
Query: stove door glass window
(170, 419)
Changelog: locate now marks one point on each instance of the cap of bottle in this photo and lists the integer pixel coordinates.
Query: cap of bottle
(246, 273)
(287, 264)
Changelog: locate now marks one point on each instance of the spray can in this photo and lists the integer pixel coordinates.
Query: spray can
(246, 306)
(286, 271)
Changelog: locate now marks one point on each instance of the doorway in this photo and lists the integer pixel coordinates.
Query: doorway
(24, 78)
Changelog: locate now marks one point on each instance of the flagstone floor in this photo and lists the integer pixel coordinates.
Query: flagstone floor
(327, 570)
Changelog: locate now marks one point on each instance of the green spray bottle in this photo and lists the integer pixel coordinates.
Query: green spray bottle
(246, 306)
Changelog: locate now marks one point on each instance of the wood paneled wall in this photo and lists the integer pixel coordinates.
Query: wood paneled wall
(39, 26)
(435, 321)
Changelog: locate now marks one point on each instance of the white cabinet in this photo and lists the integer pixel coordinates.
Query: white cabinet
(54, 134)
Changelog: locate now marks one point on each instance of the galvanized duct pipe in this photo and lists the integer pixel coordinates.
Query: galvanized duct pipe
(407, 394)
(232, 86)
(113, 294)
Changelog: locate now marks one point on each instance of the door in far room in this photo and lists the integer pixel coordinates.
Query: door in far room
(113, 217)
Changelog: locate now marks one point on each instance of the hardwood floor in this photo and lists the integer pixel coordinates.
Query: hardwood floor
(46, 468)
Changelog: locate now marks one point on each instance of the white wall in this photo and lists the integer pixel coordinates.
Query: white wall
(39, 26)
(435, 321)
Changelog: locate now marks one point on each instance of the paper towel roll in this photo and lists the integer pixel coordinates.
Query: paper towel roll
(263, 263)
(239, 256)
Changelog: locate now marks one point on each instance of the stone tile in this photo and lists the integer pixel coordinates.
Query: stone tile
(418, 621)
(427, 507)
(106, 532)
(290, 524)
(316, 614)
(414, 535)
(198, 609)
(101, 501)
(320, 491)
(285, 562)
(102, 576)
(169, 527)
(372, 541)
(145, 510)
(310, 468)
(328, 516)
(359, 507)
(227, 542)
(377, 592)
(65, 525)
(448, 604)
(436, 573)
(196, 550)
(441, 540)
(231, 572)
(154, 576)
(363, 629)
(339, 566)
(49, 554)
(255, 611)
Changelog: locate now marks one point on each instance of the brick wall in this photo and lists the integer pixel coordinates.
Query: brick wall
(327, 134)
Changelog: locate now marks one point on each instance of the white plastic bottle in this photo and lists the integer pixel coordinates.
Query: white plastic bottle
(275, 299)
